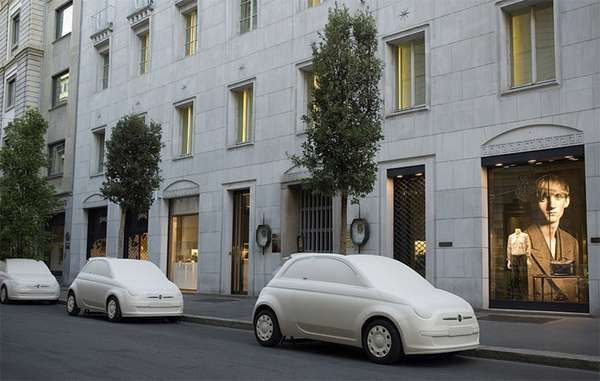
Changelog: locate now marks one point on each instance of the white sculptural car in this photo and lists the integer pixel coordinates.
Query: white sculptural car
(367, 301)
(27, 279)
(124, 288)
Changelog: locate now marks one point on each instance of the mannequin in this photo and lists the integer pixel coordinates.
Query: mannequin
(518, 249)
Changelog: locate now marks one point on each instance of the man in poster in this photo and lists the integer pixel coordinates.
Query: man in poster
(554, 252)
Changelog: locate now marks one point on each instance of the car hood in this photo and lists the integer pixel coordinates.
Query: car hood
(34, 278)
(426, 303)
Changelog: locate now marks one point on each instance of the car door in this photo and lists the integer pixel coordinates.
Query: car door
(332, 298)
(85, 284)
(99, 284)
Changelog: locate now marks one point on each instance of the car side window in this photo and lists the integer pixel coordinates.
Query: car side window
(298, 269)
(333, 271)
(90, 268)
(102, 269)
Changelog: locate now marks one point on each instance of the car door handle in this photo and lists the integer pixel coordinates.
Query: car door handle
(304, 278)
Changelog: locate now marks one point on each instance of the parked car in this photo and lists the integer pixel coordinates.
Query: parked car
(124, 288)
(27, 279)
(367, 301)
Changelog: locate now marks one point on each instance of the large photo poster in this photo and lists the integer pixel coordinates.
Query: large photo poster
(537, 226)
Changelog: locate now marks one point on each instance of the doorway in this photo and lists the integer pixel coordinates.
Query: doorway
(136, 236)
(240, 242)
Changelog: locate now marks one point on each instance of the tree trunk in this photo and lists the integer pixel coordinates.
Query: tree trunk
(344, 227)
(121, 238)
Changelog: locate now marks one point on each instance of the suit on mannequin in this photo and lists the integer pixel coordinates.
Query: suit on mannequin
(518, 249)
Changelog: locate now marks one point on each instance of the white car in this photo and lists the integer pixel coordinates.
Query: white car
(367, 301)
(124, 288)
(27, 279)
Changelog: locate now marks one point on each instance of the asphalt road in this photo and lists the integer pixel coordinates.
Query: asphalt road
(41, 342)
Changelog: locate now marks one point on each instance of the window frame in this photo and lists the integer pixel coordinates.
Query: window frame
(190, 33)
(56, 88)
(104, 69)
(15, 29)
(59, 18)
(99, 151)
(252, 18)
(180, 108)
(143, 53)
(504, 9)
(51, 159)
(391, 43)
(234, 120)
(11, 95)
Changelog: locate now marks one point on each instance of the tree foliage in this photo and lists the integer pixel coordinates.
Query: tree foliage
(132, 163)
(27, 200)
(344, 120)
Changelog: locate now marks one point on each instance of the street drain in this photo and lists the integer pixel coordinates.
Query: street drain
(518, 319)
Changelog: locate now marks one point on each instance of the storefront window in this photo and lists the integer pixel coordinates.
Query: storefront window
(537, 227)
(183, 244)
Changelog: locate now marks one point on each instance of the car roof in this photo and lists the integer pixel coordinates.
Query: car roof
(21, 260)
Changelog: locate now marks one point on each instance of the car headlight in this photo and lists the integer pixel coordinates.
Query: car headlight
(132, 293)
(422, 312)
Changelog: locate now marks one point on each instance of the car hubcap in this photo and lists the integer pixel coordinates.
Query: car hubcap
(264, 327)
(379, 341)
(112, 309)
(71, 303)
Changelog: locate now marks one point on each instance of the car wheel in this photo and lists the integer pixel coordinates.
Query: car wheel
(381, 342)
(113, 310)
(4, 295)
(266, 328)
(72, 308)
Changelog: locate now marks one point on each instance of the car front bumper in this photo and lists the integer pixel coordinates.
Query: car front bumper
(140, 308)
(27, 294)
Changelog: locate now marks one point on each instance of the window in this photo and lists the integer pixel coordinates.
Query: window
(64, 19)
(99, 141)
(15, 30)
(314, 3)
(186, 126)
(248, 15)
(410, 73)
(532, 45)
(102, 269)
(191, 31)
(105, 69)
(538, 255)
(56, 159)
(315, 228)
(244, 114)
(333, 271)
(144, 52)
(11, 90)
(182, 263)
(310, 80)
(60, 88)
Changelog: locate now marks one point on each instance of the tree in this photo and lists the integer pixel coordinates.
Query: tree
(344, 120)
(27, 200)
(132, 165)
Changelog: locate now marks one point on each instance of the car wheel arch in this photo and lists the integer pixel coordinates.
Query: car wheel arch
(383, 317)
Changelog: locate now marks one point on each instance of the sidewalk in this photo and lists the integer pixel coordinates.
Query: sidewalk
(549, 339)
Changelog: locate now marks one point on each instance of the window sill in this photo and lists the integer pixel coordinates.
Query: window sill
(64, 36)
(407, 111)
(54, 177)
(59, 105)
(99, 174)
(533, 86)
(241, 145)
(182, 157)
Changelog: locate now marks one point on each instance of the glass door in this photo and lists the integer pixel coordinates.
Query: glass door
(240, 242)
(183, 251)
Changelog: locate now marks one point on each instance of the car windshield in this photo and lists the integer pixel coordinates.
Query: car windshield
(138, 270)
(27, 267)
(388, 274)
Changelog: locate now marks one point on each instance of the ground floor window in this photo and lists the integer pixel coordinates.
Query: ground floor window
(537, 230)
(183, 242)
(315, 229)
(96, 237)
(54, 256)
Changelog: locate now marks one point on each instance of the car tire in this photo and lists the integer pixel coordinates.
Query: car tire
(4, 299)
(266, 328)
(72, 308)
(381, 342)
(113, 309)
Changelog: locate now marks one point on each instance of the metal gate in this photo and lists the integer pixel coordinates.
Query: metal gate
(136, 236)
(409, 220)
(316, 225)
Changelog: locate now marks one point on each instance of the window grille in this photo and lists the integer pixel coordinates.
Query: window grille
(316, 223)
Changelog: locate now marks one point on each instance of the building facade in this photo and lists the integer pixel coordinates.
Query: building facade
(39, 54)
(487, 173)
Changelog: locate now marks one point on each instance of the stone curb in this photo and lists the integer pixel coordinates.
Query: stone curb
(563, 360)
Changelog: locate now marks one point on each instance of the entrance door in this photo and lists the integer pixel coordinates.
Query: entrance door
(136, 236)
(409, 218)
(96, 234)
(240, 242)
